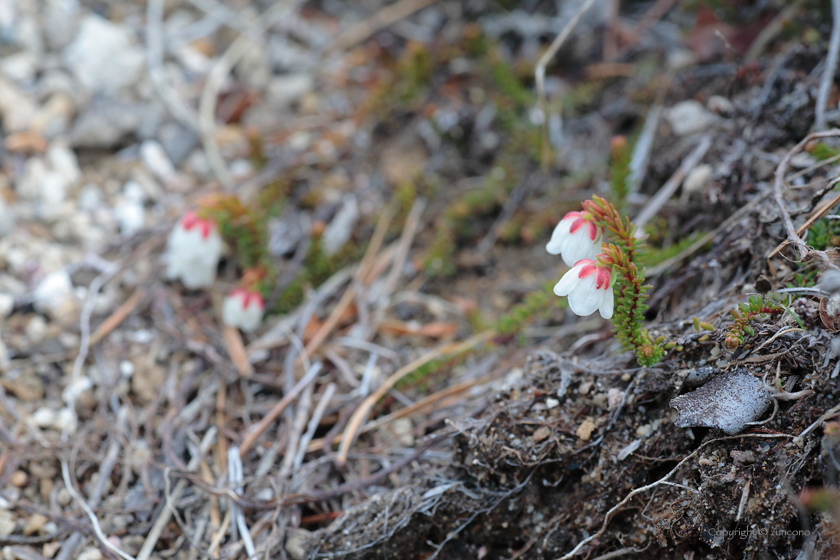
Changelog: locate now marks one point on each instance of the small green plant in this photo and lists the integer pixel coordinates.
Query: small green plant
(620, 170)
(746, 312)
(597, 267)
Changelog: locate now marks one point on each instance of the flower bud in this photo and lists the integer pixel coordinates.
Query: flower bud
(243, 309)
(193, 251)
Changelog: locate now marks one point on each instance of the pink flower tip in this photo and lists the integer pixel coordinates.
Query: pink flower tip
(576, 237)
(243, 309)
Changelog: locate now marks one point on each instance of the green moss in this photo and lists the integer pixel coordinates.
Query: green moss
(534, 304)
(414, 72)
(620, 172)
(821, 151)
(656, 255)
(317, 268)
(509, 85)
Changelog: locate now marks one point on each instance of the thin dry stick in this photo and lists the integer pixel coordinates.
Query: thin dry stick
(355, 422)
(236, 351)
(662, 480)
(827, 79)
(331, 322)
(117, 317)
(105, 469)
(278, 409)
(295, 432)
(671, 185)
(375, 242)
(778, 195)
(412, 223)
(163, 519)
(380, 20)
(154, 55)
(426, 402)
(303, 448)
(539, 75)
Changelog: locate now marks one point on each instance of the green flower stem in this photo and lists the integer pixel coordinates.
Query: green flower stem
(631, 291)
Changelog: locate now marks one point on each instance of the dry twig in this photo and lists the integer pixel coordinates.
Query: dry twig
(539, 75)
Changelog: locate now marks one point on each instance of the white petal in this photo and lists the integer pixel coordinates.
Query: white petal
(231, 309)
(607, 302)
(251, 318)
(560, 233)
(567, 283)
(585, 298)
(579, 247)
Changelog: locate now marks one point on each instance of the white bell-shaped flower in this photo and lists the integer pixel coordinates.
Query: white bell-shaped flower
(588, 286)
(193, 251)
(243, 309)
(576, 237)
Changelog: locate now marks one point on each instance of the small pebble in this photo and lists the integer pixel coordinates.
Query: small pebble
(19, 479)
(35, 524)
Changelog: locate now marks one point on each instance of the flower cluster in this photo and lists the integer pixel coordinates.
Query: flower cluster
(192, 256)
(598, 266)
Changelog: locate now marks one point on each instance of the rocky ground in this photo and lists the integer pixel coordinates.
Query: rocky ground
(416, 390)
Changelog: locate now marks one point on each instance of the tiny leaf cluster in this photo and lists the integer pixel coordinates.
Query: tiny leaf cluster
(746, 312)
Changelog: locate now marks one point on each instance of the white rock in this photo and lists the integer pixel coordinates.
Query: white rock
(7, 218)
(7, 522)
(90, 553)
(36, 329)
(76, 388)
(131, 216)
(720, 105)
(677, 59)
(63, 160)
(90, 198)
(16, 107)
(341, 226)
(103, 56)
(8, 15)
(65, 420)
(27, 33)
(133, 190)
(53, 292)
(697, 179)
(155, 159)
(7, 303)
(283, 90)
(43, 417)
(688, 117)
(19, 67)
(60, 22)
(53, 191)
(551, 403)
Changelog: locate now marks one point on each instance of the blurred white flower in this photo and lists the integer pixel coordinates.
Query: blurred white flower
(576, 237)
(193, 251)
(588, 286)
(243, 309)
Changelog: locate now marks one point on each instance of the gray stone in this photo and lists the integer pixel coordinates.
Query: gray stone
(105, 123)
(177, 141)
(103, 56)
